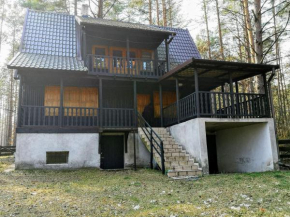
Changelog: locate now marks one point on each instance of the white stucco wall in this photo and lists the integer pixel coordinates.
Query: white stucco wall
(192, 136)
(31, 150)
(245, 149)
(235, 144)
(142, 154)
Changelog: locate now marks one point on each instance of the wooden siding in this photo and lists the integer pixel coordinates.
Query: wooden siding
(142, 101)
(86, 97)
(168, 99)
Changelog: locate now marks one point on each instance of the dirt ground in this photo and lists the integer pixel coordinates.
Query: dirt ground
(92, 192)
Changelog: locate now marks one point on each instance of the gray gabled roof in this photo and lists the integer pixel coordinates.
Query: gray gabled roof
(48, 42)
(181, 48)
(45, 61)
(121, 24)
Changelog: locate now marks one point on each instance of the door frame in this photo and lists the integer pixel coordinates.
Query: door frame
(112, 134)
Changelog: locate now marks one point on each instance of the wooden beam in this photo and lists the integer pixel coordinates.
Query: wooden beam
(266, 94)
(161, 105)
(177, 100)
(100, 102)
(197, 93)
(167, 55)
(61, 103)
(128, 54)
(20, 101)
(135, 101)
(232, 93)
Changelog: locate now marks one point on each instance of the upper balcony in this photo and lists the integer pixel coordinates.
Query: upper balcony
(125, 67)
(121, 49)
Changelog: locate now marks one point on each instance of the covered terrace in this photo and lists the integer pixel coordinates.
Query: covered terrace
(196, 81)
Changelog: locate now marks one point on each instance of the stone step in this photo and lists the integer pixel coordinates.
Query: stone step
(177, 161)
(194, 167)
(172, 164)
(176, 154)
(179, 173)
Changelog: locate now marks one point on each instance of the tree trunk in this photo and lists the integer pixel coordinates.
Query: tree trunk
(1, 23)
(76, 7)
(220, 30)
(249, 30)
(157, 12)
(259, 43)
(100, 9)
(207, 30)
(150, 12)
(164, 13)
(170, 13)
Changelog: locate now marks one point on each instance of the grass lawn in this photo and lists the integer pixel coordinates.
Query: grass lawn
(91, 192)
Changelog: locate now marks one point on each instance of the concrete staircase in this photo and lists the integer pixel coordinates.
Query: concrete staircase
(178, 163)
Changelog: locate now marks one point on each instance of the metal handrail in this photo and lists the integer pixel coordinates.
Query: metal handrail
(154, 138)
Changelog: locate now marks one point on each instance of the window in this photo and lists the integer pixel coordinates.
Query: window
(100, 57)
(60, 157)
(117, 58)
(147, 62)
(132, 61)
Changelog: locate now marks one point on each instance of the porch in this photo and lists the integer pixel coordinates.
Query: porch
(210, 89)
(120, 49)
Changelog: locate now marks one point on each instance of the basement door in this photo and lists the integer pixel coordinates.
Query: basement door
(112, 152)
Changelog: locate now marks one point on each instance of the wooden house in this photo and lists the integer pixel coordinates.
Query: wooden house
(109, 94)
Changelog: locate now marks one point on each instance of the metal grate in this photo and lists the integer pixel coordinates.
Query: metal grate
(60, 157)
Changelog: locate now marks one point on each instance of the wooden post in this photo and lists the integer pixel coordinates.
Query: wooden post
(85, 45)
(61, 104)
(197, 93)
(100, 102)
(19, 102)
(266, 95)
(161, 105)
(232, 94)
(135, 103)
(128, 55)
(167, 55)
(177, 100)
(237, 97)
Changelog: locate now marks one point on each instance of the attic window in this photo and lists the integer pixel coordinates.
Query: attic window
(60, 157)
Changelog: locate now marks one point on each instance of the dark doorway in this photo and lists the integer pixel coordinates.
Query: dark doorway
(212, 154)
(112, 152)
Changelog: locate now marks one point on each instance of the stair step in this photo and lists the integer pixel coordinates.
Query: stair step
(194, 167)
(178, 173)
(177, 161)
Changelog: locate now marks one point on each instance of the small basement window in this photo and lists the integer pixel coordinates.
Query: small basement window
(60, 157)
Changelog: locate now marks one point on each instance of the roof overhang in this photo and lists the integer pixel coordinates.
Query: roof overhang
(216, 72)
(121, 25)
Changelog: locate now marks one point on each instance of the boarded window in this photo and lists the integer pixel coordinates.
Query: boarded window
(85, 97)
(168, 99)
(60, 157)
(142, 101)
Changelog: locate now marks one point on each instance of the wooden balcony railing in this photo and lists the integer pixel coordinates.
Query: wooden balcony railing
(217, 105)
(118, 117)
(49, 116)
(121, 66)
